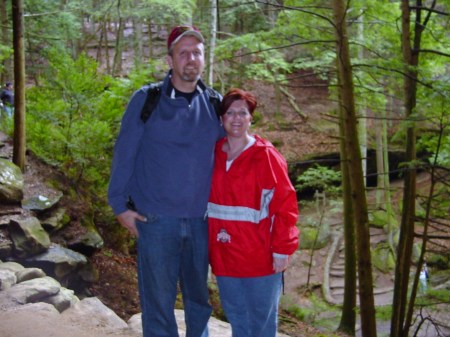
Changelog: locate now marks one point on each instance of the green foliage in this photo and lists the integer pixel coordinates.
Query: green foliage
(6, 123)
(383, 313)
(5, 52)
(381, 218)
(311, 313)
(383, 258)
(53, 25)
(251, 57)
(439, 295)
(257, 118)
(160, 11)
(111, 105)
(73, 118)
(242, 16)
(107, 253)
(64, 126)
(301, 314)
(319, 178)
(435, 132)
(314, 237)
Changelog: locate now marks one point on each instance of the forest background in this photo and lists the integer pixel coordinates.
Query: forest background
(384, 64)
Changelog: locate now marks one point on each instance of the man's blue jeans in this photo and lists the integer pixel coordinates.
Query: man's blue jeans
(171, 250)
(251, 304)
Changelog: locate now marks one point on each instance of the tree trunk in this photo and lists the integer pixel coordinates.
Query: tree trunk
(151, 53)
(100, 42)
(212, 41)
(380, 194)
(428, 208)
(106, 42)
(362, 120)
(400, 326)
(117, 63)
(19, 85)
(348, 318)
(392, 226)
(367, 306)
(137, 40)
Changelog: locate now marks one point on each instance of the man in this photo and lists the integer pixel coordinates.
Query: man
(163, 169)
(7, 98)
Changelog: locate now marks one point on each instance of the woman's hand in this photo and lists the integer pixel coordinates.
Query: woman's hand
(280, 264)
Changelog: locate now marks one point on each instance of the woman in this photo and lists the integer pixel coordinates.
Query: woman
(252, 214)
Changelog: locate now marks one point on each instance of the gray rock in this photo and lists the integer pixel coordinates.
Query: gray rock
(59, 312)
(217, 328)
(92, 310)
(12, 266)
(28, 236)
(11, 182)
(6, 245)
(34, 290)
(7, 279)
(55, 220)
(29, 274)
(58, 261)
(41, 203)
(63, 300)
(135, 323)
(6, 249)
(88, 244)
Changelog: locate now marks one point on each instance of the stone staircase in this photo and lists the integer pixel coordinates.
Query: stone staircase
(334, 271)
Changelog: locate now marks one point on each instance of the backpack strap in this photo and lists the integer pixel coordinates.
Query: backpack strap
(153, 95)
(215, 100)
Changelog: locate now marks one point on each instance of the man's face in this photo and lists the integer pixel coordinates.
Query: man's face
(187, 59)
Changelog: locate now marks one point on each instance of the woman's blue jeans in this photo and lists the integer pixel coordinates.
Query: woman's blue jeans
(171, 250)
(251, 304)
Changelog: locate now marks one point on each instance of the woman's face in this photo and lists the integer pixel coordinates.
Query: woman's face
(237, 119)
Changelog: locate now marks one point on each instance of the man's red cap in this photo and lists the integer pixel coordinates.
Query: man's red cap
(180, 31)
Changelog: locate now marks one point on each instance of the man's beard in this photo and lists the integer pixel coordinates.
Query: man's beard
(191, 75)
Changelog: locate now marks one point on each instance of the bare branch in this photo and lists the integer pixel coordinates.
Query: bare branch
(437, 52)
(433, 237)
(427, 85)
(300, 9)
(431, 10)
(286, 46)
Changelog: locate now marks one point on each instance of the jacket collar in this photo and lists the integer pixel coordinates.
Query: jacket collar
(170, 90)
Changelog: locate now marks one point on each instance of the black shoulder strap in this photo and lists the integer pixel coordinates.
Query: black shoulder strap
(214, 99)
(153, 94)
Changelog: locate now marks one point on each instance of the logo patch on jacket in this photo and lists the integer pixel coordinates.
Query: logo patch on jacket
(223, 236)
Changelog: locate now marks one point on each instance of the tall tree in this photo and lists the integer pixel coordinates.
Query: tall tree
(411, 46)
(348, 317)
(117, 63)
(19, 85)
(353, 155)
(138, 44)
(362, 121)
(212, 41)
